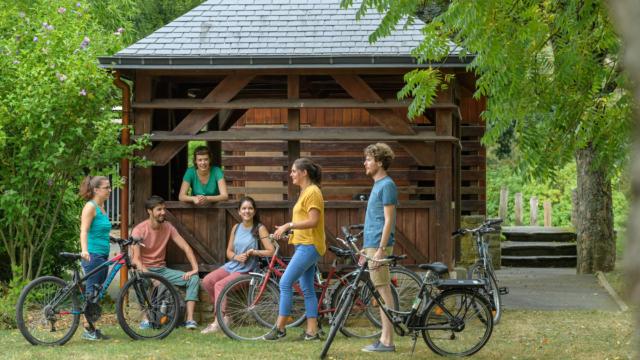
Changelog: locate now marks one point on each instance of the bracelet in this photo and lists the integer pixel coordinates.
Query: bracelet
(291, 225)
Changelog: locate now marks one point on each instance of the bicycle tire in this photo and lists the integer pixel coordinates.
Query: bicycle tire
(137, 303)
(36, 318)
(478, 271)
(342, 311)
(407, 284)
(241, 315)
(462, 333)
(363, 321)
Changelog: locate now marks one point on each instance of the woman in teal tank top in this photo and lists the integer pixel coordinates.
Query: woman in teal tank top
(205, 181)
(94, 238)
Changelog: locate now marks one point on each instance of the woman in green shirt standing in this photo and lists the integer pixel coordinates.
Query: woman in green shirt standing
(205, 181)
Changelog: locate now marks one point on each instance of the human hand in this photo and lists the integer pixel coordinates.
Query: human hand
(199, 199)
(242, 258)
(280, 230)
(85, 256)
(189, 274)
(380, 254)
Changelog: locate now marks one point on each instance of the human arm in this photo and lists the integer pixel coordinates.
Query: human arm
(184, 189)
(88, 214)
(182, 244)
(389, 215)
(231, 255)
(136, 258)
(311, 221)
(268, 248)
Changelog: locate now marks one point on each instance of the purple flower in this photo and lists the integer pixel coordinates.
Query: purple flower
(119, 31)
(47, 26)
(61, 77)
(83, 92)
(61, 10)
(85, 43)
(50, 182)
(22, 14)
(78, 4)
(16, 62)
(35, 39)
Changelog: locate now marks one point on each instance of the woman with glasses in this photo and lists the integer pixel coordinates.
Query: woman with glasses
(94, 239)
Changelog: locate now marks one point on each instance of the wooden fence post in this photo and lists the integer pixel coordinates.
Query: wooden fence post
(547, 213)
(533, 206)
(518, 209)
(504, 200)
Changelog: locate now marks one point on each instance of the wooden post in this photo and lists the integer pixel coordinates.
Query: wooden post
(444, 173)
(533, 206)
(293, 124)
(504, 200)
(547, 213)
(518, 209)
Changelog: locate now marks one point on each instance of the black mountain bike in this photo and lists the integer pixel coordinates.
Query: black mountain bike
(452, 316)
(49, 308)
(483, 267)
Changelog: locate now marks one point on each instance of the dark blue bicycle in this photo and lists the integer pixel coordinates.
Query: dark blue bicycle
(49, 308)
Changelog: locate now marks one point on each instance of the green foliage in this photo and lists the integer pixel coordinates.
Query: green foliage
(9, 297)
(558, 190)
(56, 121)
(152, 14)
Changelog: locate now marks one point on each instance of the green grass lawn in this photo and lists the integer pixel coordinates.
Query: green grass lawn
(520, 335)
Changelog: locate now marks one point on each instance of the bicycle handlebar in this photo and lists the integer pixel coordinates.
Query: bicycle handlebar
(485, 228)
(125, 242)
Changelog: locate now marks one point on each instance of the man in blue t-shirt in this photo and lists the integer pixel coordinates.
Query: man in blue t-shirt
(379, 228)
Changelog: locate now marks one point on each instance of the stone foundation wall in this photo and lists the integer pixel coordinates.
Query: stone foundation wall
(468, 251)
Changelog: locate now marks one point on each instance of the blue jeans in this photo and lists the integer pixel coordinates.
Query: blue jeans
(301, 267)
(98, 278)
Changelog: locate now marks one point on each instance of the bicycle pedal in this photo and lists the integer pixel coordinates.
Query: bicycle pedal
(503, 290)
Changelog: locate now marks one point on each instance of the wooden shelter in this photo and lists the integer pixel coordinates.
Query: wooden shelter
(265, 82)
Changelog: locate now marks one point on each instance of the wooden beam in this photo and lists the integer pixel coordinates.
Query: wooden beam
(142, 177)
(293, 103)
(409, 248)
(228, 118)
(328, 190)
(399, 161)
(445, 177)
(191, 239)
(281, 204)
(358, 89)
(293, 127)
(226, 90)
(309, 134)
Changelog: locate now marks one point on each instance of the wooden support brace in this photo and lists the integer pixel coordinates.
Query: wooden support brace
(191, 239)
(226, 90)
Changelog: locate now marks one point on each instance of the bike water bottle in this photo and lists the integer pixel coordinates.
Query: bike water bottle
(163, 312)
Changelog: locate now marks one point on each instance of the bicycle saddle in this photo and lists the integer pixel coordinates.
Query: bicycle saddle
(437, 267)
(339, 252)
(70, 256)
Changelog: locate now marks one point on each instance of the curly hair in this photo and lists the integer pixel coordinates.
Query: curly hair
(380, 152)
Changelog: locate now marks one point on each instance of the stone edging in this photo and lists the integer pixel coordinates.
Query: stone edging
(603, 281)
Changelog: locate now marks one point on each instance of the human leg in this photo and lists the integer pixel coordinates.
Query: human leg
(93, 285)
(381, 279)
(192, 285)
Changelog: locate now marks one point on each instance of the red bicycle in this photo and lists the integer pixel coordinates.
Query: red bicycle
(248, 305)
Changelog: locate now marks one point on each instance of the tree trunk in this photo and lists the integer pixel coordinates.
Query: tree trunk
(594, 215)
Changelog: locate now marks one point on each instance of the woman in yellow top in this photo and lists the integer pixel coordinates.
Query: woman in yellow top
(308, 239)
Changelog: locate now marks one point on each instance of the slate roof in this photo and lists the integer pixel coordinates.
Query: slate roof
(271, 33)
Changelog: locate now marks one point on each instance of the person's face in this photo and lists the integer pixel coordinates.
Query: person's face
(297, 175)
(203, 162)
(158, 213)
(246, 211)
(104, 189)
(371, 166)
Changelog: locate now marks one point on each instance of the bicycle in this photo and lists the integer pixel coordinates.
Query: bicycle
(483, 267)
(405, 281)
(456, 321)
(49, 308)
(248, 305)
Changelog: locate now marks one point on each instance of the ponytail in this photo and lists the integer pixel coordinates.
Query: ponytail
(314, 171)
(89, 184)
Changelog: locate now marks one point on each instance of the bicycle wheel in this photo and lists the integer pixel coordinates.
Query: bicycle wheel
(363, 321)
(143, 311)
(45, 314)
(343, 309)
(407, 284)
(458, 323)
(245, 309)
(478, 271)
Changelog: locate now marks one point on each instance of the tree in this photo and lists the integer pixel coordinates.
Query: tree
(550, 70)
(56, 123)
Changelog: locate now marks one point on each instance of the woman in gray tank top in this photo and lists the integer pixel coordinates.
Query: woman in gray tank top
(242, 252)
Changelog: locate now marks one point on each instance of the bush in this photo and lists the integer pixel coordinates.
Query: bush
(9, 295)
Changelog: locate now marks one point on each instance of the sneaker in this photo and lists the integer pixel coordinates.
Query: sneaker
(211, 328)
(145, 325)
(102, 336)
(306, 337)
(190, 324)
(275, 334)
(90, 335)
(379, 347)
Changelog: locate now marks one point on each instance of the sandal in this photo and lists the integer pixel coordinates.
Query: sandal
(211, 328)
